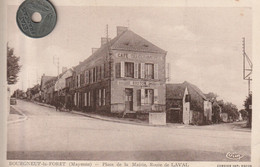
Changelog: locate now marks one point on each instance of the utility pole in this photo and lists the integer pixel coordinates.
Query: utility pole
(109, 61)
(247, 72)
(247, 67)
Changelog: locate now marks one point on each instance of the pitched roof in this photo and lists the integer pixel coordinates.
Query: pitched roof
(127, 40)
(195, 88)
(46, 78)
(175, 91)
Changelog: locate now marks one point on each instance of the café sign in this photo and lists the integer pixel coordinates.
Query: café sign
(137, 56)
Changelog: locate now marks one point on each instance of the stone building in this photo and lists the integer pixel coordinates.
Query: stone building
(186, 103)
(126, 74)
(47, 88)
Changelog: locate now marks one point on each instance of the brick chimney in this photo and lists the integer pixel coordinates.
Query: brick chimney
(120, 29)
(94, 50)
(104, 40)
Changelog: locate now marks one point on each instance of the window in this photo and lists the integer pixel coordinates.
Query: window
(78, 80)
(94, 75)
(187, 98)
(90, 76)
(148, 96)
(85, 99)
(98, 72)
(82, 79)
(149, 71)
(129, 69)
(88, 99)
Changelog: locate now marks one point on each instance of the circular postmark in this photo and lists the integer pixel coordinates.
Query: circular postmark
(40, 27)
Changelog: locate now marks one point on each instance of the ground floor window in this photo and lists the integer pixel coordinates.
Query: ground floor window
(102, 97)
(147, 96)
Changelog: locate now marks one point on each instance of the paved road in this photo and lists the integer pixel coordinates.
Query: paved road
(51, 135)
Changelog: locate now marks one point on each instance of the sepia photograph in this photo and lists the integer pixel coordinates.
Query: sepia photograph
(129, 83)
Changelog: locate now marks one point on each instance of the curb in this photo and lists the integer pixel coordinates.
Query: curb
(24, 117)
(111, 120)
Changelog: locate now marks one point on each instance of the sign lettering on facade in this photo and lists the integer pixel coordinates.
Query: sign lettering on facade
(140, 83)
(136, 56)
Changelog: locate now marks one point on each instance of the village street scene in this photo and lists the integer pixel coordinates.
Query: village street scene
(132, 96)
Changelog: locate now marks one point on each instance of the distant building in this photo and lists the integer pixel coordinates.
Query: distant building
(60, 85)
(186, 103)
(126, 74)
(47, 88)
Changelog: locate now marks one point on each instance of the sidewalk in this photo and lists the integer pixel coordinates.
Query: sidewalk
(117, 119)
(15, 115)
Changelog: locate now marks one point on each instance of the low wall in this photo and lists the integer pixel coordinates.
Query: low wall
(157, 118)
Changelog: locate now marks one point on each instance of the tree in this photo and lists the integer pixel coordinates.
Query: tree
(248, 105)
(211, 96)
(13, 67)
(244, 114)
(231, 110)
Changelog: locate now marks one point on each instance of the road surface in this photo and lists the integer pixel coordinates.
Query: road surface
(51, 135)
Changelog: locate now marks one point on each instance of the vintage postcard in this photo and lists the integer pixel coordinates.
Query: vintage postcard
(124, 83)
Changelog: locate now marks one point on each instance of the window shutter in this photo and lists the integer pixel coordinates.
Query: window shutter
(104, 96)
(102, 71)
(88, 98)
(138, 97)
(85, 99)
(118, 70)
(142, 96)
(122, 69)
(75, 99)
(91, 98)
(87, 77)
(78, 80)
(91, 75)
(142, 70)
(155, 96)
(136, 70)
(78, 99)
(155, 71)
(100, 97)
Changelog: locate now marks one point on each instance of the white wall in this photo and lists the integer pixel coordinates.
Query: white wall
(208, 109)
(186, 108)
(61, 83)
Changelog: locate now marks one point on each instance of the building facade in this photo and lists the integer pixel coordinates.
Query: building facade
(126, 74)
(46, 87)
(186, 103)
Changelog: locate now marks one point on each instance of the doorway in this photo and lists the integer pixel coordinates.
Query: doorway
(129, 99)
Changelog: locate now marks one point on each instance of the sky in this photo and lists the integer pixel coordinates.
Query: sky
(204, 45)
